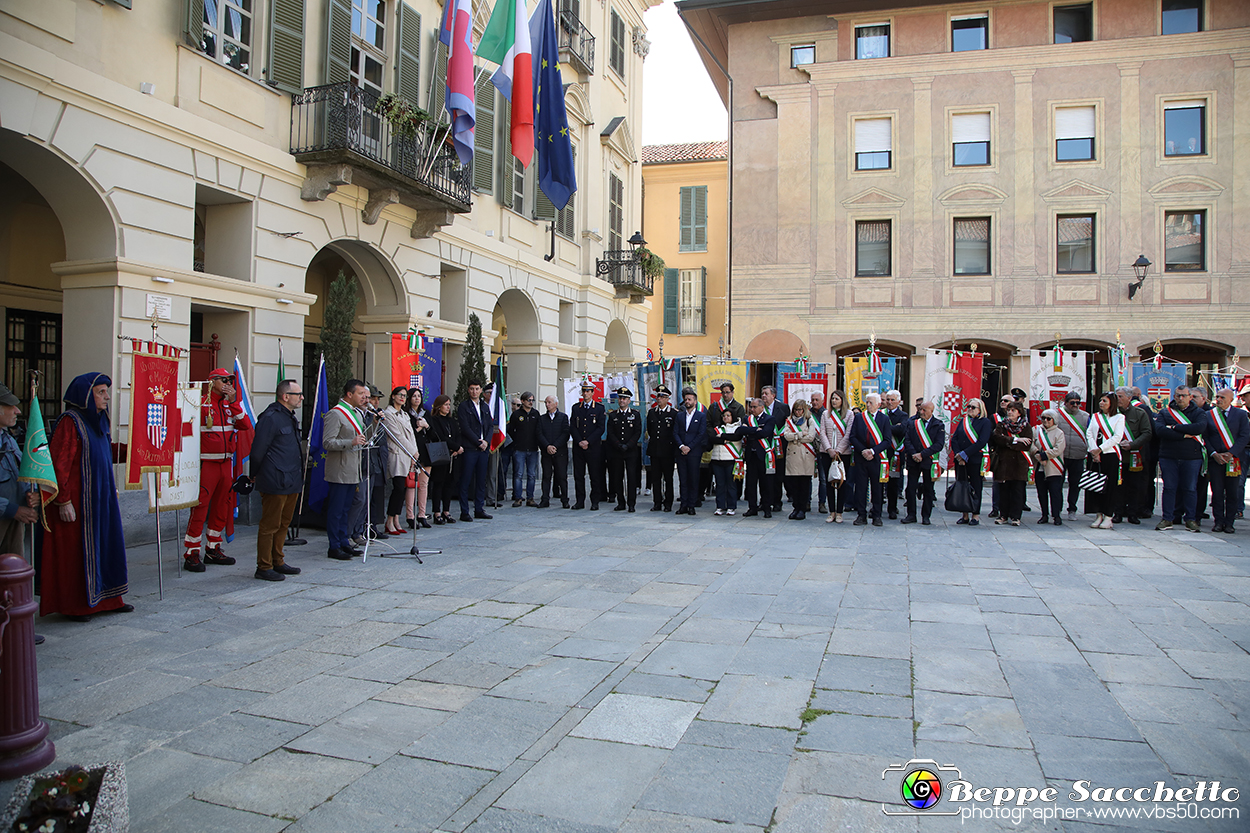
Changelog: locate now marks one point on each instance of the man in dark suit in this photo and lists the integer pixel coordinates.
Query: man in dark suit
(553, 443)
(898, 433)
(690, 437)
(586, 425)
(660, 448)
(873, 447)
(924, 439)
(1227, 435)
(758, 437)
(778, 412)
(277, 469)
(476, 427)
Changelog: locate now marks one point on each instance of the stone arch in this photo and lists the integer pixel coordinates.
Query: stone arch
(380, 283)
(774, 346)
(619, 347)
(519, 339)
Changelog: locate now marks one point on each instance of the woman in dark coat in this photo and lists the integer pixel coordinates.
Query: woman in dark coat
(445, 429)
(969, 436)
(82, 567)
(1012, 441)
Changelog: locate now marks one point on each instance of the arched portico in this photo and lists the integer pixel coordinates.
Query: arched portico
(519, 339)
(619, 348)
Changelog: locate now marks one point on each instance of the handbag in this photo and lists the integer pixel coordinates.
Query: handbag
(1093, 480)
(959, 497)
(411, 482)
(837, 472)
(439, 455)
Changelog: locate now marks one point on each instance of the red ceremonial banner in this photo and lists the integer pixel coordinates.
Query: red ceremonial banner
(155, 418)
(405, 365)
(803, 385)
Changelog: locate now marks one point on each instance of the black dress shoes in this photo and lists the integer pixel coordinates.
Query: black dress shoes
(482, 516)
(286, 569)
(877, 522)
(466, 518)
(860, 521)
(339, 555)
(926, 522)
(750, 513)
(910, 519)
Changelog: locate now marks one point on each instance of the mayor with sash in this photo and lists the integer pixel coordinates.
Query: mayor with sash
(969, 437)
(343, 436)
(759, 441)
(923, 441)
(872, 443)
(1227, 435)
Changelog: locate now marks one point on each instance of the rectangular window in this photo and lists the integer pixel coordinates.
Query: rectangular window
(1182, 16)
(616, 44)
(693, 219)
(972, 246)
(872, 41)
(690, 301)
(1185, 128)
(800, 55)
(1184, 245)
(970, 135)
(32, 341)
(872, 248)
(873, 143)
(1074, 134)
(616, 212)
(227, 36)
(1075, 244)
(1074, 24)
(969, 34)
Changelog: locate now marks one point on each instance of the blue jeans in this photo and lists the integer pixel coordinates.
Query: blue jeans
(338, 513)
(473, 480)
(1180, 476)
(726, 494)
(524, 464)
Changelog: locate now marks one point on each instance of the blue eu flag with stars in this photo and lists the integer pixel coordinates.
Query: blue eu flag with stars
(556, 176)
(317, 488)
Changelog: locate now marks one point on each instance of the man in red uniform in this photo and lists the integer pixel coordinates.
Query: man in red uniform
(221, 416)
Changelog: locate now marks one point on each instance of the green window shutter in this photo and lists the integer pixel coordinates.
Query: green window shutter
(543, 209)
(338, 41)
(507, 165)
(703, 302)
(408, 57)
(686, 240)
(194, 32)
(699, 216)
(286, 46)
(565, 221)
(670, 300)
(438, 90)
(484, 134)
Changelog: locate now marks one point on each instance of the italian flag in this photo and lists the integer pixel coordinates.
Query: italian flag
(500, 411)
(506, 41)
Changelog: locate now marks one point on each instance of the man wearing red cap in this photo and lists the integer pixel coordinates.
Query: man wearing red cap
(221, 416)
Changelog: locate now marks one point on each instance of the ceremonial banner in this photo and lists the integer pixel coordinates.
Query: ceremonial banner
(1157, 385)
(710, 375)
(36, 465)
(950, 380)
(860, 382)
(793, 367)
(181, 488)
(1119, 366)
(1050, 380)
(417, 370)
(154, 417)
(573, 390)
(795, 386)
(318, 490)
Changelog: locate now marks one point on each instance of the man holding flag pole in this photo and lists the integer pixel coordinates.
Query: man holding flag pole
(18, 498)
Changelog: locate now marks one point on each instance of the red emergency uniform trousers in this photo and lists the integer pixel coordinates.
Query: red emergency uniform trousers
(216, 478)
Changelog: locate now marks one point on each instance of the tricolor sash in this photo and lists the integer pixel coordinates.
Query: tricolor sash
(1072, 423)
(349, 413)
(768, 444)
(966, 426)
(1135, 460)
(735, 452)
(838, 422)
(1233, 466)
(791, 427)
(1104, 428)
(923, 433)
(1180, 417)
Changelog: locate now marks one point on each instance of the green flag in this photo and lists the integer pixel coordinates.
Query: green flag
(37, 460)
(281, 366)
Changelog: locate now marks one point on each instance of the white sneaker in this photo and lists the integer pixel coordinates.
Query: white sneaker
(1106, 523)
(1072, 516)
(1097, 524)
(729, 511)
(719, 512)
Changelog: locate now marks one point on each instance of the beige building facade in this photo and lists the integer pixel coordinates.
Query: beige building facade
(685, 220)
(985, 172)
(222, 162)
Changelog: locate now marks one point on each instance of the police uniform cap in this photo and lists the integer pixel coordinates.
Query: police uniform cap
(625, 392)
(588, 386)
(661, 390)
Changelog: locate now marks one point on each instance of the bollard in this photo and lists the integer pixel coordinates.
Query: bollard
(24, 744)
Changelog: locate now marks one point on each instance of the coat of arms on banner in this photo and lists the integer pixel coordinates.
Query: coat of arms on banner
(157, 417)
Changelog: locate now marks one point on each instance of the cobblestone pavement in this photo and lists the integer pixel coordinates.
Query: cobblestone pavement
(580, 672)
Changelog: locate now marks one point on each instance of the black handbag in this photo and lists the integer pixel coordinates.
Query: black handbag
(959, 497)
(1093, 480)
(439, 455)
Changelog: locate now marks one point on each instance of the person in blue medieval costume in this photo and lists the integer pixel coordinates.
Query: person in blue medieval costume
(82, 568)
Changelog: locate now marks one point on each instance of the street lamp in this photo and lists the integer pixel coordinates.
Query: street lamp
(1140, 266)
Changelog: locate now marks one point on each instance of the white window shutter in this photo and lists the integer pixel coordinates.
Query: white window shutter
(1074, 122)
(970, 127)
(872, 135)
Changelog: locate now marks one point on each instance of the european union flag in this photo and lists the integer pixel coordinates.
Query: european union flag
(556, 176)
(317, 488)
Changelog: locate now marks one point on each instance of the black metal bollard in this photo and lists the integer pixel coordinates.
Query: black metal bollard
(24, 744)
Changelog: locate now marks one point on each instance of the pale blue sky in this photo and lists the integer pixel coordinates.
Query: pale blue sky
(679, 102)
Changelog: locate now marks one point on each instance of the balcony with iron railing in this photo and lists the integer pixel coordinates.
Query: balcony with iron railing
(623, 269)
(337, 131)
(577, 45)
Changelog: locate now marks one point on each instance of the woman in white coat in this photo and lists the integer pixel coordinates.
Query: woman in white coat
(1102, 438)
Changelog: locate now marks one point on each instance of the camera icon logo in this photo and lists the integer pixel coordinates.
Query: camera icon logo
(920, 787)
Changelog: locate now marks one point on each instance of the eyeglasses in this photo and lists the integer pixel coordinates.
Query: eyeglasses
(1048, 419)
(291, 393)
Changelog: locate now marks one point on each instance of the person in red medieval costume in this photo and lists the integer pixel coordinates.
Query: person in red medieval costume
(221, 419)
(82, 567)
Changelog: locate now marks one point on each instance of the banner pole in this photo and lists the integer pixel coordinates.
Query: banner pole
(308, 446)
(160, 573)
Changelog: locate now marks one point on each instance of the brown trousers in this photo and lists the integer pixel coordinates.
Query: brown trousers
(275, 517)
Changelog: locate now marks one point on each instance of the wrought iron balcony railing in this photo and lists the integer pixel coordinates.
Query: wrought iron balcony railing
(339, 124)
(622, 269)
(577, 45)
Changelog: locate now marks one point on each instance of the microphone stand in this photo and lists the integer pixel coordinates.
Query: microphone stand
(415, 552)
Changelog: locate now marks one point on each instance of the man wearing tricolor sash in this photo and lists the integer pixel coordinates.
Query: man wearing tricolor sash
(776, 410)
(1182, 454)
(759, 444)
(871, 441)
(1138, 430)
(1073, 421)
(343, 436)
(898, 436)
(923, 441)
(1227, 435)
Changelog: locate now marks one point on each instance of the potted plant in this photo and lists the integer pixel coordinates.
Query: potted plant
(73, 800)
(404, 117)
(652, 264)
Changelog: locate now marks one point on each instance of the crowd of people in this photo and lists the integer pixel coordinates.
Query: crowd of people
(392, 468)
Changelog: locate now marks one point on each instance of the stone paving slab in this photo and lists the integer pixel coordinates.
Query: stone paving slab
(652, 674)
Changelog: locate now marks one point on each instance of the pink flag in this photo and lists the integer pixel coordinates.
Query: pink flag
(459, 101)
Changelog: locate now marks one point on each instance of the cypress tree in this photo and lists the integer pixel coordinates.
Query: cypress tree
(473, 363)
(336, 332)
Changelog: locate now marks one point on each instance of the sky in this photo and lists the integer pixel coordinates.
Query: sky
(687, 109)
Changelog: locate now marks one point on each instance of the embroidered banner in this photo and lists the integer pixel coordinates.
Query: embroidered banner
(1048, 385)
(1157, 385)
(417, 370)
(950, 380)
(154, 416)
(181, 487)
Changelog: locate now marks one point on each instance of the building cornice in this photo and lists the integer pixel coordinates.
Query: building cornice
(81, 274)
